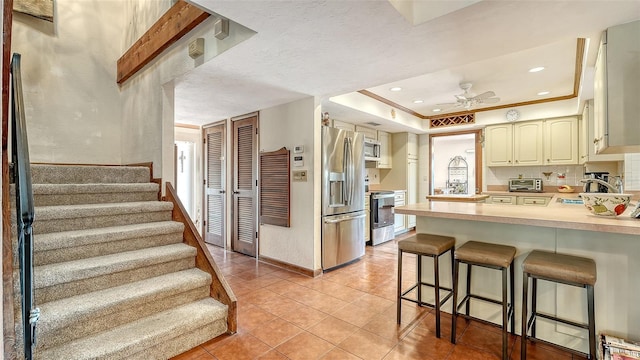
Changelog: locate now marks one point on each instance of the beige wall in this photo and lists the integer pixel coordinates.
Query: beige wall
(289, 125)
(71, 98)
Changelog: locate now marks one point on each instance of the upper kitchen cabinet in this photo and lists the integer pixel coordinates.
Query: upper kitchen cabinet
(518, 144)
(533, 143)
(412, 146)
(386, 155)
(617, 90)
(561, 141)
(499, 145)
(368, 132)
(343, 125)
(587, 147)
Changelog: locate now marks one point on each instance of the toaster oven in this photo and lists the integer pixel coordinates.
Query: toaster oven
(526, 185)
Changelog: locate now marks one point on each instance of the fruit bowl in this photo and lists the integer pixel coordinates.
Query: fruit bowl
(565, 189)
(606, 204)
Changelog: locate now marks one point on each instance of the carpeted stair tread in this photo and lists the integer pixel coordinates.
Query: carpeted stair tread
(81, 174)
(126, 340)
(73, 238)
(69, 194)
(89, 210)
(50, 189)
(60, 273)
(93, 307)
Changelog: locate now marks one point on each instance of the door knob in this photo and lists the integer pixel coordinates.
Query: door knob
(222, 191)
(236, 192)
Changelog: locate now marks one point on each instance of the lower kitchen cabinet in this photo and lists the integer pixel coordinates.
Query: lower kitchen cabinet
(399, 221)
(526, 200)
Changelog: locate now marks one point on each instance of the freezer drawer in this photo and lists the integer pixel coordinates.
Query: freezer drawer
(342, 239)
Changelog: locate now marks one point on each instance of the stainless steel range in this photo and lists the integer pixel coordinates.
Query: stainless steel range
(382, 215)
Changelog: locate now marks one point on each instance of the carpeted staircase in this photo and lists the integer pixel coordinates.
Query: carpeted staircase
(113, 278)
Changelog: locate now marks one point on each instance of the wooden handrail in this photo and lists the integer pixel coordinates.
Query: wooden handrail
(220, 289)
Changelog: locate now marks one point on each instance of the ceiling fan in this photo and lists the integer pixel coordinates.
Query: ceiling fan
(467, 100)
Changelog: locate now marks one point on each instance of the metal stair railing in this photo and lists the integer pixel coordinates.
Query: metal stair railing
(24, 208)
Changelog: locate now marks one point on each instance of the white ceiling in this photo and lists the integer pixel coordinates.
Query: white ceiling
(329, 48)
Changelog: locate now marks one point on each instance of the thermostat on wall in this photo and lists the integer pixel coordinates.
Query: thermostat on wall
(298, 149)
(298, 160)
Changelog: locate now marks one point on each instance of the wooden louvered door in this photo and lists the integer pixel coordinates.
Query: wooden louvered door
(244, 237)
(214, 139)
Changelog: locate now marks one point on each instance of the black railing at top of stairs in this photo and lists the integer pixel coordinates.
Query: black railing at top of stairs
(24, 207)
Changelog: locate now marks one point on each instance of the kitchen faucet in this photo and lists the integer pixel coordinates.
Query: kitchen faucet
(610, 188)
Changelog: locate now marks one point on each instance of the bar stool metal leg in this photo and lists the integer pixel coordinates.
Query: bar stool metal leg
(505, 316)
(437, 294)
(534, 307)
(454, 312)
(525, 296)
(419, 278)
(468, 306)
(592, 322)
(399, 300)
(513, 300)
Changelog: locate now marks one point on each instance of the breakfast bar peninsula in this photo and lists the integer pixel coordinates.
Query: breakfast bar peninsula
(613, 242)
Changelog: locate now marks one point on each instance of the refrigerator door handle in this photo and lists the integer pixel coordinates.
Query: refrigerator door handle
(351, 171)
(332, 221)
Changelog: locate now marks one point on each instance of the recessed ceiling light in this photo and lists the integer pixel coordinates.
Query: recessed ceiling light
(543, 93)
(536, 69)
(418, 101)
(436, 110)
(395, 88)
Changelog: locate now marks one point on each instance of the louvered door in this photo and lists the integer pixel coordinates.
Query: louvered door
(214, 138)
(245, 162)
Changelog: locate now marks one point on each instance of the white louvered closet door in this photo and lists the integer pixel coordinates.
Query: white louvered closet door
(214, 138)
(244, 237)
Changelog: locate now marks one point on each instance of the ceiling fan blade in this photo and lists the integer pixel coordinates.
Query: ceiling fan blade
(484, 95)
(492, 100)
(461, 97)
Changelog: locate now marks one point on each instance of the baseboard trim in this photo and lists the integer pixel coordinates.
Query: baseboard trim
(290, 267)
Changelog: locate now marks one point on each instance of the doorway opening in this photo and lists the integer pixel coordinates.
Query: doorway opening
(456, 163)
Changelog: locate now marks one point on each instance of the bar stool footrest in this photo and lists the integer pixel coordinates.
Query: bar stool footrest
(442, 301)
(554, 318)
(567, 349)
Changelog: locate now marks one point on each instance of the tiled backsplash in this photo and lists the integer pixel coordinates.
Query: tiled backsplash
(501, 175)
(632, 172)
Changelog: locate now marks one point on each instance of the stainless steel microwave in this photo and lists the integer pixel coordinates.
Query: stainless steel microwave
(526, 185)
(371, 149)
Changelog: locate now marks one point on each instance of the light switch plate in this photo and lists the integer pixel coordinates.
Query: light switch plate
(300, 175)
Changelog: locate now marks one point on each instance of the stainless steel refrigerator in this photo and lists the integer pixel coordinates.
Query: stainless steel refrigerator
(343, 213)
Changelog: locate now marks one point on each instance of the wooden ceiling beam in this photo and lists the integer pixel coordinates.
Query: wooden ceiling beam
(173, 25)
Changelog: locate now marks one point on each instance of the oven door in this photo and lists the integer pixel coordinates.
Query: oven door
(382, 210)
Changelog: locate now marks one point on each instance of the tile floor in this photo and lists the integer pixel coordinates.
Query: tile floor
(348, 313)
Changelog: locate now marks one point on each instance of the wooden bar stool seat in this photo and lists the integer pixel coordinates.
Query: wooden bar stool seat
(492, 256)
(428, 245)
(564, 269)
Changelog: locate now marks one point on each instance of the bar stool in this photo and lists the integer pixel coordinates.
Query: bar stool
(564, 269)
(492, 256)
(425, 245)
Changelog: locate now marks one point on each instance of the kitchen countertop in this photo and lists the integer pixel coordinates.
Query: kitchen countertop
(554, 215)
(458, 198)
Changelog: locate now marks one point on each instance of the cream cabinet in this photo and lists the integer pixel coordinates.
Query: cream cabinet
(412, 146)
(501, 199)
(587, 132)
(399, 225)
(527, 143)
(526, 200)
(517, 144)
(368, 132)
(412, 189)
(499, 145)
(533, 143)
(385, 150)
(343, 125)
(561, 141)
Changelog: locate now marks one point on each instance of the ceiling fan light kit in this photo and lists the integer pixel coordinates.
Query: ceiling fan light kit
(467, 100)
